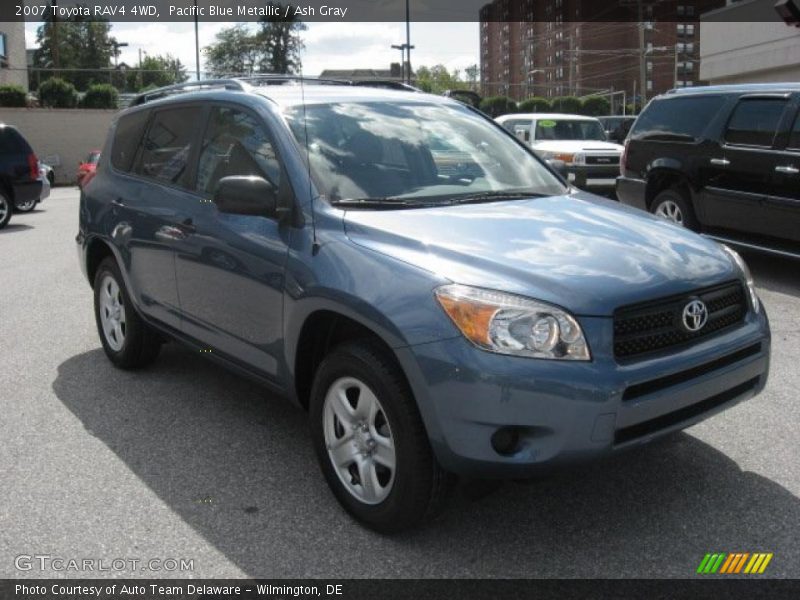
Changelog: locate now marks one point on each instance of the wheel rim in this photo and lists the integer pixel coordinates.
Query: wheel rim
(112, 313)
(359, 440)
(669, 210)
(25, 206)
(3, 208)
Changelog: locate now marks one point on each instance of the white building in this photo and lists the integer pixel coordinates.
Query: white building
(748, 42)
(13, 61)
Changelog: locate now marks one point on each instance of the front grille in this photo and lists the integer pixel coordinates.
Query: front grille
(611, 159)
(658, 325)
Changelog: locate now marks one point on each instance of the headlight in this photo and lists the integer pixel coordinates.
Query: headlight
(509, 324)
(565, 157)
(748, 277)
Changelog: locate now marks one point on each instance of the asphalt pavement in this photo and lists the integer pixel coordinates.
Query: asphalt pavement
(186, 461)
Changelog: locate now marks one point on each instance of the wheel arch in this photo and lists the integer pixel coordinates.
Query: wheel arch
(661, 177)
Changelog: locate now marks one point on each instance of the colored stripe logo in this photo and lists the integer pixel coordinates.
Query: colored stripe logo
(732, 563)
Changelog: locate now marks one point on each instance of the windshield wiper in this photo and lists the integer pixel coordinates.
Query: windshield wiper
(494, 197)
(388, 202)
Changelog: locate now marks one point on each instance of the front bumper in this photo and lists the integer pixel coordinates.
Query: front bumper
(568, 412)
(593, 177)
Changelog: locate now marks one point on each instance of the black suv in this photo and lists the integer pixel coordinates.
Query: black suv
(19, 172)
(724, 160)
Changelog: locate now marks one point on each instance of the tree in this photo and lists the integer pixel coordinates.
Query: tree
(567, 104)
(595, 106)
(495, 106)
(438, 79)
(274, 48)
(535, 104)
(281, 39)
(472, 73)
(156, 71)
(74, 44)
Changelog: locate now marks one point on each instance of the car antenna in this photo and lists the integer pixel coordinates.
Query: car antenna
(315, 243)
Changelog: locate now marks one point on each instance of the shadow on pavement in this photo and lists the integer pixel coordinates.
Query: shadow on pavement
(12, 227)
(238, 467)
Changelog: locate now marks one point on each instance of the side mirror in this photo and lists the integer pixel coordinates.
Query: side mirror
(246, 195)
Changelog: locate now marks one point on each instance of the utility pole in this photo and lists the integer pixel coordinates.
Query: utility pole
(55, 49)
(408, 40)
(402, 48)
(572, 90)
(196, 43)
(675, 71)
(642, 50)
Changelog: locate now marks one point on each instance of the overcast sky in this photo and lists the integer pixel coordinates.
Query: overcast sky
(328, 45)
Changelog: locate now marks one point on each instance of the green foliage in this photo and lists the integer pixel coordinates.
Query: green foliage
(567, 105)
(494, 106)
(155, 72)
(535, 104)
(101, 95)
(437, 79)
(273, 48)
(595, 106)
(12, 95)
(74, 45)
(631, 109)
(57, 93)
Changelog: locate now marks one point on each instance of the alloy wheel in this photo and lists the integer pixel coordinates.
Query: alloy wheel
(112, 313)
(359, 440)
(669, 210)
(3, 208)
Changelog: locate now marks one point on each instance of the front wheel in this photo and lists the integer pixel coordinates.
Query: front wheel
(370, 440)
(128, 341)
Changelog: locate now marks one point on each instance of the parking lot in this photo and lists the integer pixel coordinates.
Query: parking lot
(186, 461)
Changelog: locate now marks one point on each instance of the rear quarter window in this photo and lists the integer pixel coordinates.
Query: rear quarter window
(674, 118)
(127, 137)
(12, 142)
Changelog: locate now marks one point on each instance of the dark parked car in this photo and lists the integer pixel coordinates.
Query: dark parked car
(20, 186)
(722, 160)
(617, 127)
(413, 276)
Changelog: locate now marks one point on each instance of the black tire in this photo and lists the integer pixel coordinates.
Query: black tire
(420, 486)
(140, 344)
(678, 198)
(5, 210)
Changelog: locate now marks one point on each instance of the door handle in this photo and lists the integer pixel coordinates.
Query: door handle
(720, 162)
(117, 202)
(788, 169)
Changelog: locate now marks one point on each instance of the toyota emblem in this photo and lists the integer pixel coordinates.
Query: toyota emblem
(695, 315)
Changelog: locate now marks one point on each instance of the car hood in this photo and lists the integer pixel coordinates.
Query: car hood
(577, 146)
(587, 254)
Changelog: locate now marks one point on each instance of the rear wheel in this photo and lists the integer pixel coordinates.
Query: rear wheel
(5, 210)
(673, 205)
(26, 206)
(370, 440)
(128, 341)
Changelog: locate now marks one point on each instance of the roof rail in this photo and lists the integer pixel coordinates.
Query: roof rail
(278, 79)
(228, 84)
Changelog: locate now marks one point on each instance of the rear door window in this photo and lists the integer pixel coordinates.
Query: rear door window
(754, 121)
(127, 137)
(168, 145)
(676, 119)
(794, 136)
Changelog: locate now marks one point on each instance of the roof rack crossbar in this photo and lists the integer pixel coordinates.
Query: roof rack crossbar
(228, 84)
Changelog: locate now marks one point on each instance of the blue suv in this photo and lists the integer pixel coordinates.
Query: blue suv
(436, 297)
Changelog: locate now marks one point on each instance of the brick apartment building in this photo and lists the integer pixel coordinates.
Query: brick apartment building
(577, 47)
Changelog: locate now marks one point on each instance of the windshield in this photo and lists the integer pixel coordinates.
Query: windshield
(565, 129)
(414, 151)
